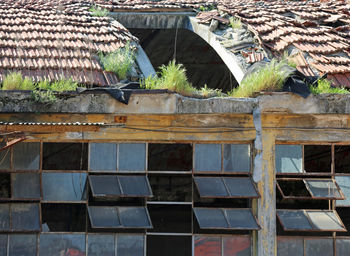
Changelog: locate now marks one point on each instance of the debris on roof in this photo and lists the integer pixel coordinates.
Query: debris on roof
(51, 39)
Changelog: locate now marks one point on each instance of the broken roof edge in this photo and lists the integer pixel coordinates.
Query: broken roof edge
(172, 103)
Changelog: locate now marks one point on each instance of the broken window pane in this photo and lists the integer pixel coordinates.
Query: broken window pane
(210, 218)
(169, 157)
(26, 156)
(237, 245)
(323, 188)
(241, 219)
(317, 158)
(294, 220)
(287, 246)
(5, 185)
(208, 158)
(104, 217)
(317, 247)
(26, 185)
(341, 159)
(22, 245)
(171, 245)
(207, 246)
(132, 157)
(3, 244)
(103, 157)
(211, 187)
(325, 220)
(101, 245)
(293, 188)
(135, 185)
(236, 157)
(171, 188)
(344, 184)
(4, 217)
(343, 246)
(64, 186)
(170, 218)
(25, 217)
(134, 217)
(240, 187)
(63, 217)
(61, 244)
(289, 158)
(104, 185)
(5, 159)
(65, 156)
(130, 245)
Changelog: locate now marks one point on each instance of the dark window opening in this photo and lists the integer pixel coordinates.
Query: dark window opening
(171, 187)
(171, 218)
(63, 217)
(65, 156)
(169, 245)
(344, 214)
(317, 158)
(342, 159)
(169, 157)
(203, 64)
(5, 185)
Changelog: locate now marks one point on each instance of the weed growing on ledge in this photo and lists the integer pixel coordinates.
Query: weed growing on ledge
(324, 86)
(15, 81)
(235, 23)
(269, 78)
(206, 8)
(120, 62)
(98, 11)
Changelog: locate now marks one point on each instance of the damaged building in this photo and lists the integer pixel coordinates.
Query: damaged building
(112, 169)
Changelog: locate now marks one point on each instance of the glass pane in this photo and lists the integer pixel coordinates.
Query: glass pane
(4, 216)
(169, 157)
(208, 158)
(344, 184)
(241, 219)
(135, 185)
(236, 157)
(325, 220)
(104, 185)
(342, 247)
(322, 188)
(130, 245)
(287, 246)
(26, 185)
(132, 157)
(240, 187)
(25, 216)
(101, 245)
(318, 247)
(64, 186)
(237, 245)
(134, 217)
(3, 245)
(210, 218)
(289, 158)
(294, 220)
(22, 245)
(62, 244)
(103, 157)
(104, 216)
(211, 187)
(26, 156)
(5, 157)
(207, 246)
(65, 156)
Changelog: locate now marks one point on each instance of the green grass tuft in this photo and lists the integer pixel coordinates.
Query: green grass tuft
(325, 86)
(12, 81)
(235, 23)
(269, 78)
(98, 11)
(64, 85)
(120, 62)
(209, 92)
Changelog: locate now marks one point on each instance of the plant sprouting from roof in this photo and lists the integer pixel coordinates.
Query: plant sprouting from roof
(269, 78)
(235, 23)
(98, 11)
(325, 86)
(120, 62)
(12, 81)
(206, 8)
